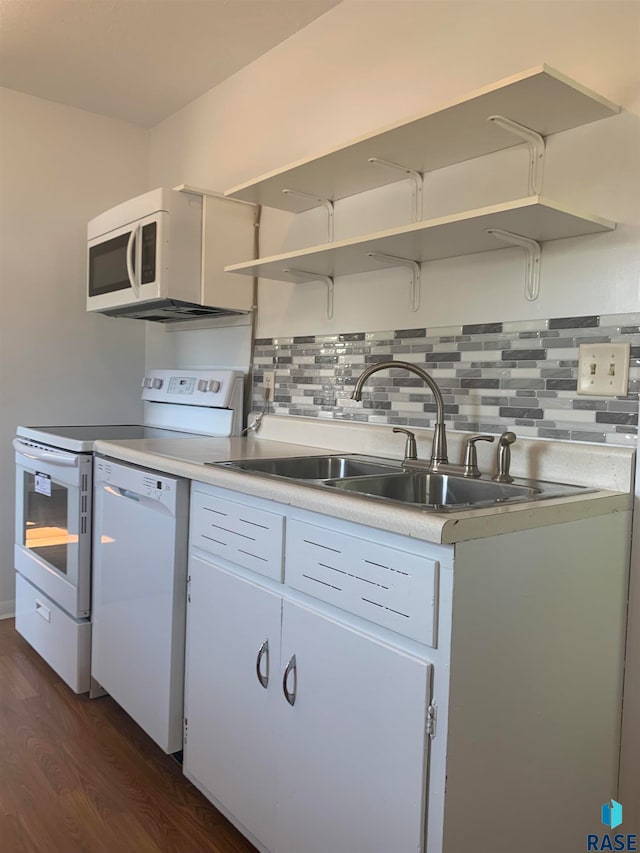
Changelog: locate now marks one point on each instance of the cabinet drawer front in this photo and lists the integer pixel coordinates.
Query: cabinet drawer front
(63, 642)
(244, 535)
(393, 588)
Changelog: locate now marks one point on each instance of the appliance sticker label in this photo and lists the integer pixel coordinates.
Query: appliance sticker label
(43, 484)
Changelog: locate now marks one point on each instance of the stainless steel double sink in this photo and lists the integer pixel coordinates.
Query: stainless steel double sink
(385, 479)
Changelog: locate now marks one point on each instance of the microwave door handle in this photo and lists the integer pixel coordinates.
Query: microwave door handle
(66, 460)
(130, 270)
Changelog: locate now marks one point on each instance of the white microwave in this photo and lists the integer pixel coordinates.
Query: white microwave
(145, 258)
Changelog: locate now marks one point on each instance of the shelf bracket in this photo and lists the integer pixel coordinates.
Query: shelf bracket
(324, 202)
(392, 260)
(536, 145)
(534, 255)
(303, 275)
(416, 177)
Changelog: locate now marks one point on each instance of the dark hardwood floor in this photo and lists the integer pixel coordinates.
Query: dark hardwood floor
(77, 774)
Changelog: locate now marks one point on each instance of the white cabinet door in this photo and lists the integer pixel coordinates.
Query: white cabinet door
(231, 736)
(353, 745)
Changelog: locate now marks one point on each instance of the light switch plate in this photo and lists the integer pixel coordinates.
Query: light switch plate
(603, 370)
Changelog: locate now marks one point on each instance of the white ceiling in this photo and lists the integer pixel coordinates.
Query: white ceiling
(138, 60)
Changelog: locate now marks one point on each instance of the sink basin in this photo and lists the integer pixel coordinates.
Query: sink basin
(385, 479)
(315, 467)
(435, 490)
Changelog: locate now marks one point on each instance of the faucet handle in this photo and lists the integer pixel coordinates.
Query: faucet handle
(410, 448)
(471, 457)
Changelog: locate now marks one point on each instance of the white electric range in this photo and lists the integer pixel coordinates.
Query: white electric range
(54, 490)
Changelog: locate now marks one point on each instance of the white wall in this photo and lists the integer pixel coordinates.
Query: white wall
(366, 64)
(58, 167)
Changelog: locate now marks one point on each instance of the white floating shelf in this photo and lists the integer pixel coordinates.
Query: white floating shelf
(541, 99)
(464, 233)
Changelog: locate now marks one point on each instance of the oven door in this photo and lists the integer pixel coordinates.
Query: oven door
(124, 267)
(53, 523)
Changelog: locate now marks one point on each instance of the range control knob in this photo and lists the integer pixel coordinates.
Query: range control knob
(146, 382)
(213, 385)
(156, 383)
(202, 384)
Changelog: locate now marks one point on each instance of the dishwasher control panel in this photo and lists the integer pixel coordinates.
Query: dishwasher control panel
(155, 488)
(136, 484)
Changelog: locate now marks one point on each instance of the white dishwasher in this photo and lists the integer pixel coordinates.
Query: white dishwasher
(139, 595)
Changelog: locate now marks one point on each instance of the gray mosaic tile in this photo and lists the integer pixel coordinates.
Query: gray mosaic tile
(628, 418)
(410, 333)
(574, 322)
(520, 412)
(524, 355)
(627, 430)
(561, 434)
(480, 383)
(515, 383)
(556, 373)
(591, 339)
(523, 402)
(481, 328)
(622, 406)
(561, 384)
(587, 436)
(313, 371)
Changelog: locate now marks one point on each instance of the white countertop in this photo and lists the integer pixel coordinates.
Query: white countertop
(186, 458)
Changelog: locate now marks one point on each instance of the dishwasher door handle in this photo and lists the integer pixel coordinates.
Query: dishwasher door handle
(143, 500)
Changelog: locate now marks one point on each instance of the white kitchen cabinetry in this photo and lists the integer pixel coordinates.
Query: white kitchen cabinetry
(353, 747)
(306, 728)
(541, 100)
(230, 750)
(475, 707)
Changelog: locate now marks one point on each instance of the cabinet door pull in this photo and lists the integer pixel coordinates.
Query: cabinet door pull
(291, 668)
(263, 652)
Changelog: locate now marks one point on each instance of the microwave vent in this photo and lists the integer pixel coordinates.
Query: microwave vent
(168, 311)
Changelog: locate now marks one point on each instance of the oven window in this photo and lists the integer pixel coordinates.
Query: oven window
(46, 520)
(108, 266)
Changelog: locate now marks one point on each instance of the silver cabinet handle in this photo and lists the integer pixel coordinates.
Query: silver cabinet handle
(263, 651)
(291, 668)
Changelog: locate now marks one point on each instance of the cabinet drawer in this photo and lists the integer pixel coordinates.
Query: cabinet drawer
(245, 535)
(394, 588)
(63, 642)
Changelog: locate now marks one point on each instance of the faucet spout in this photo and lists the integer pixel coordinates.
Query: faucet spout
(439, 446)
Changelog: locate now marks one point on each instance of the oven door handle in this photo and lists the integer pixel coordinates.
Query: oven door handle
(65, 460)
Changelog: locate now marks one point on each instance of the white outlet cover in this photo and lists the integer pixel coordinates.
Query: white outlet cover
(269, 379)
(603, 370)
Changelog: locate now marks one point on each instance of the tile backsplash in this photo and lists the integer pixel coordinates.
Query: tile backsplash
(493, 376)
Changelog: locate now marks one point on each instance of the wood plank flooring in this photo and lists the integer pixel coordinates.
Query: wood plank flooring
(77, 775)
